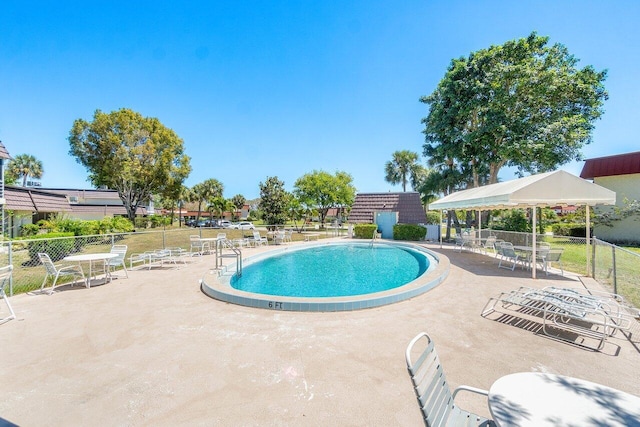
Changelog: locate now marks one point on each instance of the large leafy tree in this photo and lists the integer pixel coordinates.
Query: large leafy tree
(523, 104)
(404, 168)
(135, 155)
(274, 200)
(323, 191)
(22, 167)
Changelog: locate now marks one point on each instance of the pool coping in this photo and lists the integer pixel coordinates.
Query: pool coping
(215, 284)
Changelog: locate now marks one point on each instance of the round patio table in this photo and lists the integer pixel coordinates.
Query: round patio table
(536, 399)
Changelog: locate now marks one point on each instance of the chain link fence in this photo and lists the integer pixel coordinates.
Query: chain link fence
(617, 269)
(29, 273)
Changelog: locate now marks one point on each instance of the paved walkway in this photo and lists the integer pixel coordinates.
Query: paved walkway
(154, 350)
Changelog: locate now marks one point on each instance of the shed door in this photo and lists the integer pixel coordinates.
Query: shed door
(385, 222)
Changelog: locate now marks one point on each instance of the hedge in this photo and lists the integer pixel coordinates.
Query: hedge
(412, 232)
(364, 231)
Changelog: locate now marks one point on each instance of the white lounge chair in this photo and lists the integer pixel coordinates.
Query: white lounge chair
(5, 279)
(430, 385)
(56, 271)
(121, 251)
(258, 240)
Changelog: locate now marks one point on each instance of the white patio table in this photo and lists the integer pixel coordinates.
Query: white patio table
(536, 399)
(91, 258)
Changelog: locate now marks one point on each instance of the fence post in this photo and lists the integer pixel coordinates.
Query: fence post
(10, 253)
(615, 279)
(593, 257)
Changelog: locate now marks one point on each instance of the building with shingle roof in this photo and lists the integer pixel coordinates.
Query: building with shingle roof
(407, 204)
(28, 205)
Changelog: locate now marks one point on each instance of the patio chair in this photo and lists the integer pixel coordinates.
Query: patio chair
(56, 271)
(508, 253)
(288, 236)
(198, 246)
(432, 390)
(118, 261)
(278, 237)
(553, 256)
(489, 243)
(5, 279)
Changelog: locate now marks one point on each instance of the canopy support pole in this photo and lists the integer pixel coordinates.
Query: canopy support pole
(440, 229)
(533, 242)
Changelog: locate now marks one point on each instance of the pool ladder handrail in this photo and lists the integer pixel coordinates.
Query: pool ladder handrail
(237, 254)
(375, 237)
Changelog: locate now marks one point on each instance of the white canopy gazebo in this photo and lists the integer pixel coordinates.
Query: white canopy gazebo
(558, 188)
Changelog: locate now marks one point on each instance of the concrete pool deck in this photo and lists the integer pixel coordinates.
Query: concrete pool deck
(154, 350)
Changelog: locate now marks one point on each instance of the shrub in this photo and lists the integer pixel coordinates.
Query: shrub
(409, 232)
(52, 244)
(364, 231)
(433, 217)
(29, 230)
(573, 230)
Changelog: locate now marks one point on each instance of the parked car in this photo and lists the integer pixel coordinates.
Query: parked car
(224, 223)
(243, 225)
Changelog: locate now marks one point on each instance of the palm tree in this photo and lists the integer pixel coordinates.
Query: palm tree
(25, 166)
(205, 191)
(403, 168)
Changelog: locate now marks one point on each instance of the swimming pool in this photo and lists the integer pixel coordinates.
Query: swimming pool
(412, 270)
(333, 271)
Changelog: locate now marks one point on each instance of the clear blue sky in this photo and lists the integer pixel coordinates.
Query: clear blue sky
(281, 88)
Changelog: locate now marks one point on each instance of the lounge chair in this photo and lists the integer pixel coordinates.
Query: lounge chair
(258, 240)
(5, 279)
(121, 251)
(579, 317)
(430, 385)
(56, 271)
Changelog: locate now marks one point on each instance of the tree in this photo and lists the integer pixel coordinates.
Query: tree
(238, 201)
(273, 202)
(206, 191)
(22, 167)
(324, 191)
(523, 104)
(403, 167)
(135, 155)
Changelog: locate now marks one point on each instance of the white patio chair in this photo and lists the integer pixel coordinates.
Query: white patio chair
(121, 251)
(553, 256)
(56, 271)
(508, 253)
(430, 385)
(288, 236)
(198, 246)
(489, 244)
(5, 279)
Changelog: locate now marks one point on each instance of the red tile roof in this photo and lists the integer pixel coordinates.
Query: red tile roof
(621, 164)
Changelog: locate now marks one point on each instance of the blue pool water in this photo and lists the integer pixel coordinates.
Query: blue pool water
(333, 271)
